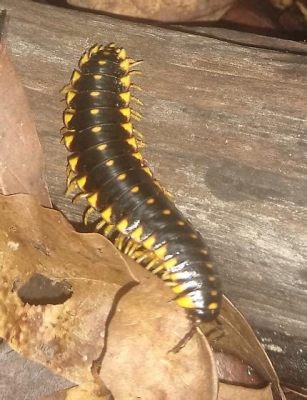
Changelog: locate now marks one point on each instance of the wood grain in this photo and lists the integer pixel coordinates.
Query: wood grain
(225, 127)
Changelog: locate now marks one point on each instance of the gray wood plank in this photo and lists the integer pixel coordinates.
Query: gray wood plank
(225, 128)
(22, 379)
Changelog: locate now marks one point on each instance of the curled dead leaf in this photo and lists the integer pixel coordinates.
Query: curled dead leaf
(161, 10)
(235, 371)
(141, 334)
(88, 392)
(231, 392)
(21, 158)
(239, 340)
(39, 246)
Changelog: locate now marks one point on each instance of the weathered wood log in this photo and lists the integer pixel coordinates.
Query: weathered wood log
(225, 127)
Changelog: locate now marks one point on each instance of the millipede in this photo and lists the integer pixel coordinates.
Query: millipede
(106, 167)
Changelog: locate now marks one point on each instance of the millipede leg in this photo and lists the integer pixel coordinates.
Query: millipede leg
(137, 100)
(137, 87)
(133, 249)
(151, 264)
(79, 196)
(141, 258)
(134, 62)
(71, 186)
(139, 135)
(100, 225)
(108, 230)
(158, 269)
(129, 245)
(183, 342)
(136, 115)
(135, 72)
(88, 211)
(119, 241)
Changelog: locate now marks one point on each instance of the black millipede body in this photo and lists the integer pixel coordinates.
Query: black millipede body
(105, 164)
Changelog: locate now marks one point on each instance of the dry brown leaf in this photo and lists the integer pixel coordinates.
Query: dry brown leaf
(66, 336)
(161, 10)
(59, 291)
(232, 392)
(141, 334)
(21, 158)
(238, 339)
(253, 14)
(234, 371)
(88, 392)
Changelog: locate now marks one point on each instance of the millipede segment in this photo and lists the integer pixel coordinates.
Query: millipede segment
(107, 168)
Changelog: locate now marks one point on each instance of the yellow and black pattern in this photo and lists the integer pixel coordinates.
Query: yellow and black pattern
(135, 212)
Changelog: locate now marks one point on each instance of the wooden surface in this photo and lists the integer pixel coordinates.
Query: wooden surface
(225, 126)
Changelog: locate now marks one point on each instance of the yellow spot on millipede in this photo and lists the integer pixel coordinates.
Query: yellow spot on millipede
(94, 111)
(137, 233)
(84, 59)
(122, 225)
(178, 289)
(81, 182)
(67, 117)
(106, 214)
(211, 278)
(122, 177)
(138, 156)
(166, 212)
(109, 163)
(209, 265)
(96, 129)
(125, 97)
(148, 171)
(95, 93)
(102, 146)
(68, 140)
(102, 62)
(70, 95)
(97, 77)
(125, 81)
(185, 302)
(213, 306)
(151, 200)
(213, 293)
(204, 251)
(126, 112)
(93, 199)
(124, 65)
(149, 242)
(132, 142)
(122, 54)
(94, 49)
(73, 162)
(180, 223)
(170, 263)
(75, 76)
(161, 251)
(135, 189)
(127, 127)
